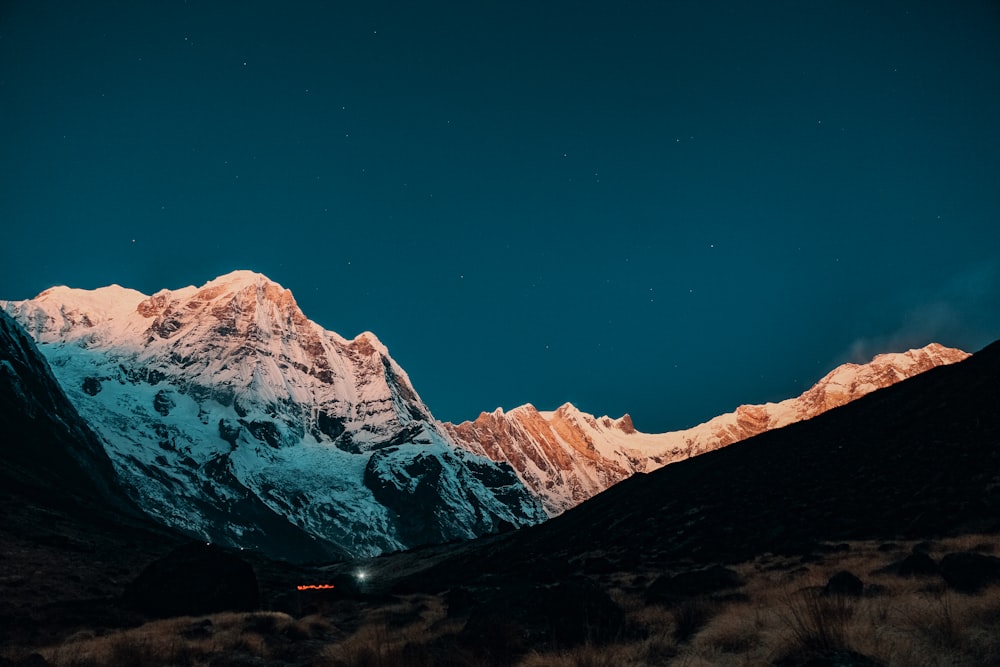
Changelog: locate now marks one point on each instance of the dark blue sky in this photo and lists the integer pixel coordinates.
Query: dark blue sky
(662, 208)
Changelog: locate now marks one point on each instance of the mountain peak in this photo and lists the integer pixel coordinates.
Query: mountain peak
(243, 282)
(241, 278)
(371, 339)
(230, 415)
(624, 423)
(111, 299)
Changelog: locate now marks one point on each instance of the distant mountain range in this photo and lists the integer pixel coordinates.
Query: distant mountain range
(919, 460)
(567, 456)
(225, 413)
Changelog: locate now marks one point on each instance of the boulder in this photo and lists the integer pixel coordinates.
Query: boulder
(195, 579)
(917, 564)
(969, 572)
(674, 588)
(844, 583)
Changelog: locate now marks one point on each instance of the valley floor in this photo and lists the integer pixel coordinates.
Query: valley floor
(776, 613)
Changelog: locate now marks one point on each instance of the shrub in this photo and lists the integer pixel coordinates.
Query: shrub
(818, 622)
(691, 616)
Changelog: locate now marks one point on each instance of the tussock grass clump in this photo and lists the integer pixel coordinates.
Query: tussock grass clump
(737, 632)
(691, 616)
(412, 631)
(818, 622)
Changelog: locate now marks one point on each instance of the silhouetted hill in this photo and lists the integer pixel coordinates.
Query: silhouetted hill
(67, 532)
(918, 459)
(45, 444)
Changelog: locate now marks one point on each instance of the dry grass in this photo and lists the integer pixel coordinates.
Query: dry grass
(396, 635)
(902, 622)
(905, 622)
(186, 640)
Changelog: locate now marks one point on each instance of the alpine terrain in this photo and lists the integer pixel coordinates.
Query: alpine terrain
(229, 415)
(567, 456)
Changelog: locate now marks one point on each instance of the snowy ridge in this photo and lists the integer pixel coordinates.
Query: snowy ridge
(566, 456)
(232, 416)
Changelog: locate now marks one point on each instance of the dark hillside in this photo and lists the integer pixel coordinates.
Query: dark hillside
(44, 443)
(916, 460)
(69, 538)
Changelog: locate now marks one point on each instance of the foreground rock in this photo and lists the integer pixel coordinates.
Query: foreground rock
(969, 572)
(669, 589)
(195, 579)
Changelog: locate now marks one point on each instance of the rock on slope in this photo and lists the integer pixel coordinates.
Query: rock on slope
(567, 456)
(228, 414)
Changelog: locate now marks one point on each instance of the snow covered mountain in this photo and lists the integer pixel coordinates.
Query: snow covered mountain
(228, 414)
(566, 456)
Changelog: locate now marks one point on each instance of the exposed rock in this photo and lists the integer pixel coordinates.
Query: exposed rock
(672, 588)
(844, 583)
(917, 564)
(195, 579)
(91, 386)
(969, 572)
(421, 487)
(229, 431)
(162, 403)
(265, 431)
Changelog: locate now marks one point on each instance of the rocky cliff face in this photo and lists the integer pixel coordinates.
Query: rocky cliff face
(567, 456)
(230, 415)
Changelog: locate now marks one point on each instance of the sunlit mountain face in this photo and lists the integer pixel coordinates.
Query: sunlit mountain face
(229, 415)
(566, 456)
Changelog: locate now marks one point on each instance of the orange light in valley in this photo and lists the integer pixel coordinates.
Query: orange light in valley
(314, 587)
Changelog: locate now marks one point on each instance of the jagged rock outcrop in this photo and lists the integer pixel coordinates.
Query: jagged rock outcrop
(566, 456)
(230, 415)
